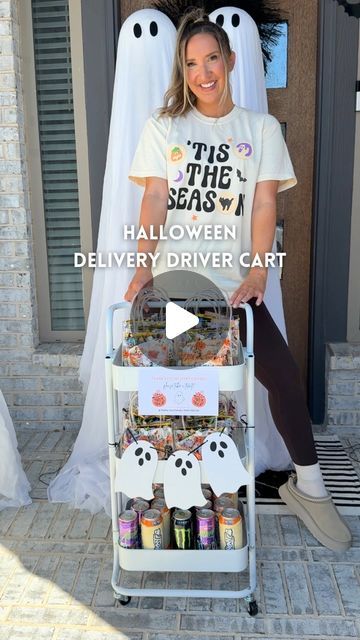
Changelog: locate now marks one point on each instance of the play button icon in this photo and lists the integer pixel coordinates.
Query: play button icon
(178, 320)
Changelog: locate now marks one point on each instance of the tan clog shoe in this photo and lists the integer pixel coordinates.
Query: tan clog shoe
(319, 515)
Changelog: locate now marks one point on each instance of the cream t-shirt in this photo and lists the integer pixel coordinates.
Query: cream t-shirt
(212, 166)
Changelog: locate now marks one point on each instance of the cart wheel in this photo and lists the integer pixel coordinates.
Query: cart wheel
(123, 600)
(253, 608)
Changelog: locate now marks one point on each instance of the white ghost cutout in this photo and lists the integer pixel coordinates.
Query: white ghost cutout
(135, 470)
(182, 481)
(247, 78)
(224, 470)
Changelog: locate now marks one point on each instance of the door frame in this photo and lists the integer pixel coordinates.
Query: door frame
(333, 188)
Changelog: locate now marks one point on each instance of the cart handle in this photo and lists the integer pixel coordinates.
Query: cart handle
(110, 326)
(126, 305)
(249, 328)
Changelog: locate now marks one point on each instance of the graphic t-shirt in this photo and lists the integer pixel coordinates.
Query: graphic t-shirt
(212, 166)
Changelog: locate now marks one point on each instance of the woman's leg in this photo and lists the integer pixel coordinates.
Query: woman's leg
(275, 368)
(277, 371)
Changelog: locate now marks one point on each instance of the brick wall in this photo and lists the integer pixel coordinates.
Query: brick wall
(39, 382)
(343, 384)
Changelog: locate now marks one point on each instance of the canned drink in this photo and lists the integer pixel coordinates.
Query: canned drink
(183, 529)
(160, 505)
(139, 506)
(207, 505)
(222, 503)
(234, 497)
(230, 529)
(159, 492)
(207, 494)
(128, 530)
(205, 529)
(151, 530)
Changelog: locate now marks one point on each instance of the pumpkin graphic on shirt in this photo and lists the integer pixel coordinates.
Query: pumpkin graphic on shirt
(176, 153)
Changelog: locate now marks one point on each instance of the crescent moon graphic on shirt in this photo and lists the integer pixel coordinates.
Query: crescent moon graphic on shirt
(179, 176)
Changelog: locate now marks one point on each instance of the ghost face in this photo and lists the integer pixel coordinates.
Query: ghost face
(182, 481)
(206, 74)
(248, 82)
(223, 466)
(135, 470)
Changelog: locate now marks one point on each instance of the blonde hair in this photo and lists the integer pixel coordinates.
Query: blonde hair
(179, 99)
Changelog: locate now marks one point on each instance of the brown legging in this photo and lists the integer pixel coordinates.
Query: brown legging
(275, 368)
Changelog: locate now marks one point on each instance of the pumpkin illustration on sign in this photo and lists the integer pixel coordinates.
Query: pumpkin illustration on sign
(198, 399)
(158, 399)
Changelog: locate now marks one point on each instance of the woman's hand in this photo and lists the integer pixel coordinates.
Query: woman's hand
(253, 287)
(142, 276)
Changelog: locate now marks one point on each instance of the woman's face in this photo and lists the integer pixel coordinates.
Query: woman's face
(206, 74)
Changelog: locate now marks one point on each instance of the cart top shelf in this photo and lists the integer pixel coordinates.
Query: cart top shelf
(126, 378)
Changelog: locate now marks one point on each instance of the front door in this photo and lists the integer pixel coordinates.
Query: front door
(294, 106)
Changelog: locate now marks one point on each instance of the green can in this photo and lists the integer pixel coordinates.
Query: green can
(183, 529)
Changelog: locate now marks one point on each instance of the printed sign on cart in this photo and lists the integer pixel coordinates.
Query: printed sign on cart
(188, 392)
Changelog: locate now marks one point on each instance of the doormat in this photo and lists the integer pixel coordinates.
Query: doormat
(340, 478)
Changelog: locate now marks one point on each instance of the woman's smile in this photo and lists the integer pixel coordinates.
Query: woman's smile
(206, 75)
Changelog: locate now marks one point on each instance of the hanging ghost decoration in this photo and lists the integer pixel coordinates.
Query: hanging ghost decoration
(224, 469)
(182, 481)
(135, 470)
(248, 89)
(143, 68)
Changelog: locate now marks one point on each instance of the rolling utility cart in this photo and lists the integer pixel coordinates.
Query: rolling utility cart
(231, 378)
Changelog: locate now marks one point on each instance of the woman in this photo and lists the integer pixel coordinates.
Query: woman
(203, 160)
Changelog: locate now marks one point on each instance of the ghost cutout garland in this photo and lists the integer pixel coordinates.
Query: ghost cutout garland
(224, 469)
(135, 470)
(182, 481)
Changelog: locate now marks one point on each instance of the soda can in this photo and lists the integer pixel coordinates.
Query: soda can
(128, 529)
(160, 505)
(151, 530)
(183, 529)
(234, 497)
(159, 491)
(139, 506)
(207, 505)
(205, 529)
(219, 505)
(230, 529)
(207, 494)
(222, 503)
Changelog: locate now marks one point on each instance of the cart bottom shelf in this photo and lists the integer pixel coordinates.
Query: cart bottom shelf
(181, 560)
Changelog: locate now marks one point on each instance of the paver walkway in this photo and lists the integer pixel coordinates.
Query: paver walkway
(56, 564)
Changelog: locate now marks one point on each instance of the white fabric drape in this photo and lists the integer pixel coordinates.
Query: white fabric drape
(249, 92)
(14, 485)
(143, 67)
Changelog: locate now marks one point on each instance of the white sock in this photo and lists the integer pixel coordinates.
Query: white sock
(310, 480)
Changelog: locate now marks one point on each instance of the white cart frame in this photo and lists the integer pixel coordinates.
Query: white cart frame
(231, 378)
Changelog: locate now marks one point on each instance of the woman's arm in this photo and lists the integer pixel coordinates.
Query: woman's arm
(263, 223)
(153, 212)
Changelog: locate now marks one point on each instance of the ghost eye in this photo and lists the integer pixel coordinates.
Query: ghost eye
(153, 28)
(235, 20)
(213, 446)
(220, 20)
(147, 456)
(223, 444)
(178, 462)
(188, 464)
(137, 30)
(138, 451)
